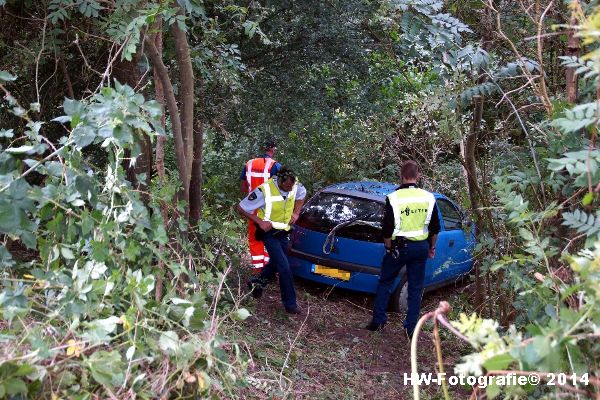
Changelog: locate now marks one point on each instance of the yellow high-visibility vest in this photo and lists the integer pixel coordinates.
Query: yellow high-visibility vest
(277, 210)
(412, 212)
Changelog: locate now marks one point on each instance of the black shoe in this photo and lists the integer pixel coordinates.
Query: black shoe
(373, 326)
(293, 310)
(256, 288)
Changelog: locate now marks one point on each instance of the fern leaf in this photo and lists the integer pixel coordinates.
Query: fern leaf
(581, 66)
(582, 222)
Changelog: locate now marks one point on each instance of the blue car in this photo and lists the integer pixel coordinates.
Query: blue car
(337, 241)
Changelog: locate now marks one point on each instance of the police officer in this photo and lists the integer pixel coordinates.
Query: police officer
(256, 172)
(410, 227)
(278, 202)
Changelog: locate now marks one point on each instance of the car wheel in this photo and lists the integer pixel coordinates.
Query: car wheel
(399, 299)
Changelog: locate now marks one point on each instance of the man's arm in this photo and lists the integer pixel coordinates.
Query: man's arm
(275, 169)
(264, 225)
(249, 205)
(432, 245)
(434, 228)
(298, 203)
(387, 224)
(387, 242)
(244, 187)
(297, 207)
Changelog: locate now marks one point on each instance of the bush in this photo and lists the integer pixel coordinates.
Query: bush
(79, 305)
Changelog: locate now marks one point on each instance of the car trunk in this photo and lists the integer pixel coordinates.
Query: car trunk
(339, 227)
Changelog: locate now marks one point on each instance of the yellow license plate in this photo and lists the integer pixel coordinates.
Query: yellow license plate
(332, 272)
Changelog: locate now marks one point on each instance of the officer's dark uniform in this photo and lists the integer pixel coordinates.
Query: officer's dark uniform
(413, 255)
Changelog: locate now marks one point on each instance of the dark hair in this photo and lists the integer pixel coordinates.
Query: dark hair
(409, 170)
(286, 173)
(269, 144)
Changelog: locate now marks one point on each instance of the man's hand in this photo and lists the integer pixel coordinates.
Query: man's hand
(294, 218)
(431, 252)
(265, 225)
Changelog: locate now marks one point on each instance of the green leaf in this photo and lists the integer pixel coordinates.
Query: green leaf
(20, 150)
(24, 370)
(72, 106)
(8, 133)
(62, 119)
(83, 136)
(526, 234)
(535, 351)
(169, 342)
(4, 75)
(106, 368)
(550, 311)
(178, 301)
(10, 219)
(67, 253)
(241, 314)
(99, 330)
(14, 386)
(492, 390)
(130, 352)
(588, 198)
(6, 259)
(499, 362)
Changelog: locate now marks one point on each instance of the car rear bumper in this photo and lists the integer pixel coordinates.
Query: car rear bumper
(362, 278)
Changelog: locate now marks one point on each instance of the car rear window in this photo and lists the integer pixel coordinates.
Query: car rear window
(328, 210)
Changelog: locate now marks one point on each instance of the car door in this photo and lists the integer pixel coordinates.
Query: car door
(452, 253)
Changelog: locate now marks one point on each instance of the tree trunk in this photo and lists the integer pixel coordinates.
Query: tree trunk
(473, 187)
(160, 140)
(186, 72)
(196, 180)
(171, 102)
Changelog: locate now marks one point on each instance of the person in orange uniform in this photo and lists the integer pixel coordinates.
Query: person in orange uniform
(256, 172)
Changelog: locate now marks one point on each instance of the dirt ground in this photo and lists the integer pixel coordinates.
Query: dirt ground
(325, 352)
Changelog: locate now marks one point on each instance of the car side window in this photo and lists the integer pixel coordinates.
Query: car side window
(451, 216)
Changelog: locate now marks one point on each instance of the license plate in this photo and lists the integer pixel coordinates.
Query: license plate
(331, 272)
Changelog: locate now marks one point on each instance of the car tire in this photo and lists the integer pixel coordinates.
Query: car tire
(399, 300)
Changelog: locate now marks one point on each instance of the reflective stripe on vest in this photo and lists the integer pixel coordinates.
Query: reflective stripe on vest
(258, 171)
(412, 212)
(277, 210)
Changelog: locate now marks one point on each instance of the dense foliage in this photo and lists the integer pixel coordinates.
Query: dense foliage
(120, 118)
(82, 314)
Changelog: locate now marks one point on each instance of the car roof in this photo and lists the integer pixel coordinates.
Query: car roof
(373, 190)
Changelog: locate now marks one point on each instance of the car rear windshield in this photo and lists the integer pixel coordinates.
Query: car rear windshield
(328, 210)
